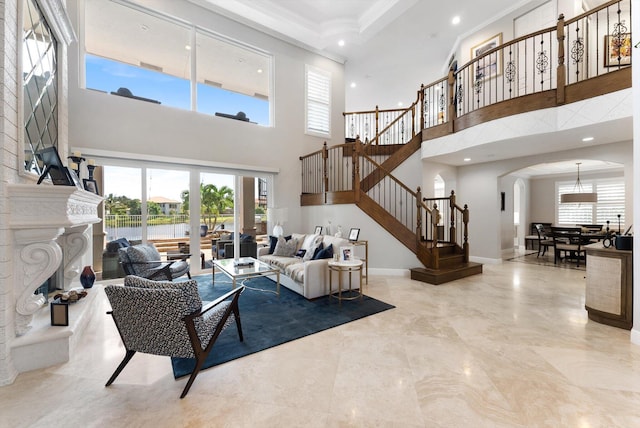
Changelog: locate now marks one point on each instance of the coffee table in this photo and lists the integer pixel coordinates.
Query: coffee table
(243, 268)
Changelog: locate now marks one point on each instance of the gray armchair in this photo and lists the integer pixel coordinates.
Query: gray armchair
(167, 318)
(144, 260)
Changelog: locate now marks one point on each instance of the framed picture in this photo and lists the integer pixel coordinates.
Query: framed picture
(346, 254)
(353, 234)
(53, 167)
(487, 66)
(617, 50)
(90, 185)
(318, 230)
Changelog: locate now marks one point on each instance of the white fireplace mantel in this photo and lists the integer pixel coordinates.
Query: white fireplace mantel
(49, 225)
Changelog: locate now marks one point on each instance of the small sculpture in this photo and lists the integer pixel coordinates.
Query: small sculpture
(339, 232)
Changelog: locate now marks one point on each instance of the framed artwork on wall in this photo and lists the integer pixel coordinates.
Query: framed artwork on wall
(617, 50)
(487, 66)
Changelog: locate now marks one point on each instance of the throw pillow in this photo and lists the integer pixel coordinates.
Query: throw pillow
(325, 253)
(300, 253)
(273, 240)
(313, 248)
(285, 248)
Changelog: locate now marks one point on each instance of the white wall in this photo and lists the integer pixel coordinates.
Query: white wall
(111, 123)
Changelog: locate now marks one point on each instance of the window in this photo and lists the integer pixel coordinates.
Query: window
(318, 101)
(611, 201)
(145, 55)
(138, 53)
(232, 78)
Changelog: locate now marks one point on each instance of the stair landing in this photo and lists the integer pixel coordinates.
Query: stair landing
(441, 276)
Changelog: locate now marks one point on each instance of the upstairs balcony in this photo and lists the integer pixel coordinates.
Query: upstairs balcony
(578, 59)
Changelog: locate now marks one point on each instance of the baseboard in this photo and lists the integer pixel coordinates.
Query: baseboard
(485, 260)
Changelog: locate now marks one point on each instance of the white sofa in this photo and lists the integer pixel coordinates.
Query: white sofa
(309, 278)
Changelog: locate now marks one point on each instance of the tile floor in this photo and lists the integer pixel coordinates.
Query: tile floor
(512, 347)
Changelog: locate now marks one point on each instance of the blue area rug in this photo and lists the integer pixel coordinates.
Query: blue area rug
(269, 320)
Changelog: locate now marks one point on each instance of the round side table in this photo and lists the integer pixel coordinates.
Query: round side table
(341, 268)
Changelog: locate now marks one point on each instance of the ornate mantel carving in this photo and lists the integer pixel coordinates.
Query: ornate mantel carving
(44, 218)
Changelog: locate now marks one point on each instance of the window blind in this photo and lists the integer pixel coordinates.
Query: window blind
(611, 194)
(318, 101)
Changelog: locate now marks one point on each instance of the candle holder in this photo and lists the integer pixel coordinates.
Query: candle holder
(77, 160)
(90, 168)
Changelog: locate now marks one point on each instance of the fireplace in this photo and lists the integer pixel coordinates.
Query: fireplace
(51, 228)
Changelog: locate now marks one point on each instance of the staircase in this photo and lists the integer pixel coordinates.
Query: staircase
(435, 229)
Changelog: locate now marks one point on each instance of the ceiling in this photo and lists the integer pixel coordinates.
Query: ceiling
(415, 42)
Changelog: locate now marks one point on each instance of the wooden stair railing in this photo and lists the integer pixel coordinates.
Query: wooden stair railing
(401, 211)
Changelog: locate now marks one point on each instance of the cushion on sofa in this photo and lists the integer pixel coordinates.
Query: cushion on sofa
(295, 271)
(273, 240)
(312, 249)
(325, 253)
(279, 261)
(286, 248)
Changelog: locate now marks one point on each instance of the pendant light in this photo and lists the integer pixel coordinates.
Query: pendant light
(578, 196)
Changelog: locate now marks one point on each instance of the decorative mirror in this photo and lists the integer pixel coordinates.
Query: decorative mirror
(40, 85)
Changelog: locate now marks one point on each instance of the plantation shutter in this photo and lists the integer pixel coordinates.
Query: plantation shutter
(611, 201)
(570, 214)
(318, 101)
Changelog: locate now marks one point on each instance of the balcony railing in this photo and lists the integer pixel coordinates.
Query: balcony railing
(546, 65)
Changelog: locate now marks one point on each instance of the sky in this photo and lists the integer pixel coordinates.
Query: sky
(125, 181)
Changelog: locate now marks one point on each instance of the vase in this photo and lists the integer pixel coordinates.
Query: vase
(87, 277)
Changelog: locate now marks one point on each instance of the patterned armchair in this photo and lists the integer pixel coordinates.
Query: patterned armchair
(144, 260)
(167, 318)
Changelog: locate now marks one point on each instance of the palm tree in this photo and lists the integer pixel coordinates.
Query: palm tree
(213, 202)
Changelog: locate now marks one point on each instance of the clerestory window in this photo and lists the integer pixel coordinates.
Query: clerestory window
(135, 52)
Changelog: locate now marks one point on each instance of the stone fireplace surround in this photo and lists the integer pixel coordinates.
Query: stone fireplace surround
(51, 230)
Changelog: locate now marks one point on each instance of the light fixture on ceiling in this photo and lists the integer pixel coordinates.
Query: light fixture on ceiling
(467, 159)
(340, 42)
(455, 20)
(578, 196)
(353, 84)
(587, 139)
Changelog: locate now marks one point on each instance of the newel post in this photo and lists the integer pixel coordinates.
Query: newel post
(452, 220)
(418, 216)
(377, 119)
(421, 104)
(355, 159)
(465, 245)
(325, 175)
(562, 68)
(452, 100)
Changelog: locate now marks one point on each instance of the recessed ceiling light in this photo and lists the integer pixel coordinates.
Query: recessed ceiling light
(400, 104)
(455, 20)
(188, 47)
(353, 84)
(467, 159)
(587, 139)
(340, 42)
(259, 70)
